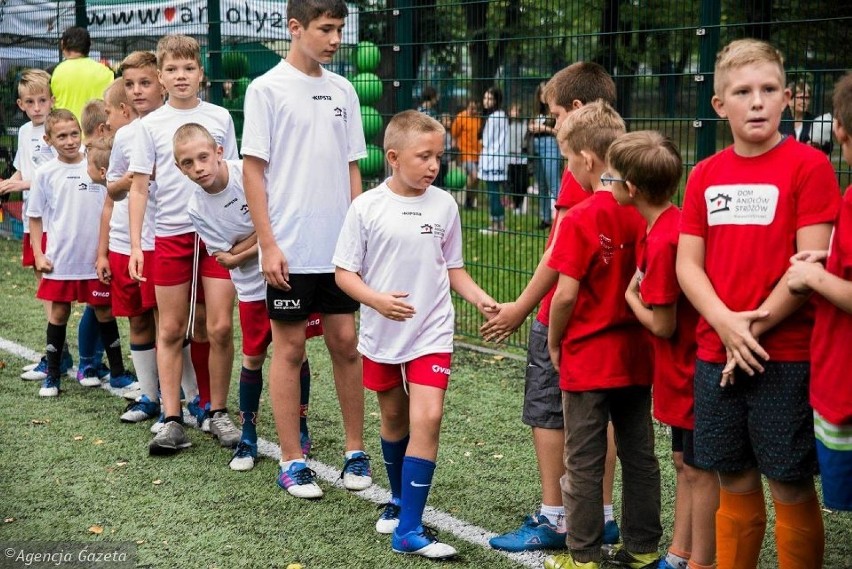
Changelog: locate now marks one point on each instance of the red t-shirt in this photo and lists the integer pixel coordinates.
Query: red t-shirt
(570, 194)
(748, 210)
(674, 358)
(831, 359)
(604, 346)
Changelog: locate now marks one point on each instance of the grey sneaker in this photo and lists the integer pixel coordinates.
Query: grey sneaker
(170, 439)
(223, 429)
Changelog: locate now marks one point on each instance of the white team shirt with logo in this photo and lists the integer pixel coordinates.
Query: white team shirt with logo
(153, 153)
(222, 220)
(32, 152)
(119, 223)
(404, 244)
(64, 197)
(308, 130)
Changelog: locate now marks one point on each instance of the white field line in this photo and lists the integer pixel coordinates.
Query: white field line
(376, 494)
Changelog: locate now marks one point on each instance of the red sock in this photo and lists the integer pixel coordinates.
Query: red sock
(200, 352)
(740, 525)
(799, 535)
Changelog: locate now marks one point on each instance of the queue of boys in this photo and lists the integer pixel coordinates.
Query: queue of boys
(720, 317)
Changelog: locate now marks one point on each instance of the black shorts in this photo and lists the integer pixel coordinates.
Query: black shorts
(683, 441)
(542, 396)
(308, 294)
(764, 421)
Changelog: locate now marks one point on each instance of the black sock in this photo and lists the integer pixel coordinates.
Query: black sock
(112, 346)
(222, 410)
(173, 419)
(55, 340)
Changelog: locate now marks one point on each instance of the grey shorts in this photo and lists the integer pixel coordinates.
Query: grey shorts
(764, 421)
(542, 396)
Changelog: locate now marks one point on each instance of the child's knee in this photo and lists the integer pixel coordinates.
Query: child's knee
(60, 312)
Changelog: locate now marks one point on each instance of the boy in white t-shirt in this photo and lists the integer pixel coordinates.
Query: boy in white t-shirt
(174, 269)
(399, 253)
(220, 215)
(62, 194)
(301, 143)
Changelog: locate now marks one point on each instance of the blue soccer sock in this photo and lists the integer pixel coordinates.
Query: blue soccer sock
(251, 385)
(394, 454)
(416, 481)
(305, 395)
(89, 345)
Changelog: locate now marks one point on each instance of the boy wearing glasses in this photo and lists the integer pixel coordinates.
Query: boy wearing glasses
(594, 254)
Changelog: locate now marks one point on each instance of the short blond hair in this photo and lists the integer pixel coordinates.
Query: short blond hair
(93, 115)
(98, 152)
(178, 46)
(406, 125)
(57, 116)
(592, 127)
(648, 160)
(740, 53)
(139, 60)
(115, 95)
(842, 102)
(33, 82)
(192, 131)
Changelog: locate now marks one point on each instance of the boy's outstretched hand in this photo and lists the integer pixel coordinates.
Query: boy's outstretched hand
(503, 320)
(389, 305)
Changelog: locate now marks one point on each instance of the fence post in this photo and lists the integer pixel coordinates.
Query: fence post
(214, 50)
(80, 18)
(404, 64)
(708, 46)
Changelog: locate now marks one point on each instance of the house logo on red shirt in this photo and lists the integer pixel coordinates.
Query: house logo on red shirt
(719, 203)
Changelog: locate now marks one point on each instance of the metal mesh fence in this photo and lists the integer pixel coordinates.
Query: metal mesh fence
(448, 53)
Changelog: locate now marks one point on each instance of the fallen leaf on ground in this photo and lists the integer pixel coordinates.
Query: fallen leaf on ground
(98, 442)
(157, 482)
(78, 437)
(98, 530)
(8, 520)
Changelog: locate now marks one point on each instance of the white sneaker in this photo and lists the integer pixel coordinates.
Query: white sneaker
(389, 519)
(299, 481)
(244, 457)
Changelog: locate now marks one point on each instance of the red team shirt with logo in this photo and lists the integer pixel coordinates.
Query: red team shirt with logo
(674, 358)
(604, 346)
(747, 210)
(831, 358)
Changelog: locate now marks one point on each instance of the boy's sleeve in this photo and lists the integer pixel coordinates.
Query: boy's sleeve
(354, 129)
(693, 218)
(573, 252)
(351, 243)
(37, 202)
(659, 284)
(229, 145)
(843, 235)
(143, 152)
(451, 245)
(118, 161)
(214, 242)
(257, 119)
(818, 195)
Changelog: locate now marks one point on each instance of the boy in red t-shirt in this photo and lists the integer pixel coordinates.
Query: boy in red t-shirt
(831, 396)
(747, 210)
(644, 169)
(594, 254)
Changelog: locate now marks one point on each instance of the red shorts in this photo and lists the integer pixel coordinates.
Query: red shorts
(432, 370)
(27, 256)
(173, 261)
(88, 291)
(128, 297)
(210, 267)
(256, 328)
(314, 327)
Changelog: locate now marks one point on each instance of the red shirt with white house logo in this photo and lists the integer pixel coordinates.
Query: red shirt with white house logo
(748, 210)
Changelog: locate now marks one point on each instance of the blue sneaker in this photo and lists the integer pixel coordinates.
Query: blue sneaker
(244, 456)
(357, 474)
(49, 387)
(422, 541)
(665, 564)
(123, 381)
(299, 481)
(103, 371)
(611, 534)
(535, 533)
(305, 441)
(389, 519)
(201, 414)
(140, 410)
(38, 373)
(88, 376)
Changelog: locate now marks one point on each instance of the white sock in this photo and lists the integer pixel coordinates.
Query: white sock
(187, 380)
(285, 464)
(608, 517)
(555, 515)
(676, 561)
(145, 364)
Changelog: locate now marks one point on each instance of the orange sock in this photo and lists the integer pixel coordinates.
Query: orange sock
(740, 525)
(799, 535)
(693, 565)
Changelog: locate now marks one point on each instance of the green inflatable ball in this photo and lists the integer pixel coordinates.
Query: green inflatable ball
(366, 56)
(455, 179)
(368, 86)
(372, 165)
(371, 121)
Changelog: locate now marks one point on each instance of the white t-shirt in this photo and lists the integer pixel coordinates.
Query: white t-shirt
(308, 130)
(222, 220)
(154, 149)
(493, 161)
(119, 223)
(404, 244)
(32, 152)
(69, 204)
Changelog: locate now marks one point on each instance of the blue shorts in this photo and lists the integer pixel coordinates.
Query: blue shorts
(762, 422)
(834, 451)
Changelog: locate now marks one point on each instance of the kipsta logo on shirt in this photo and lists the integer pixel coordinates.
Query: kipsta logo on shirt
(720, 202)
